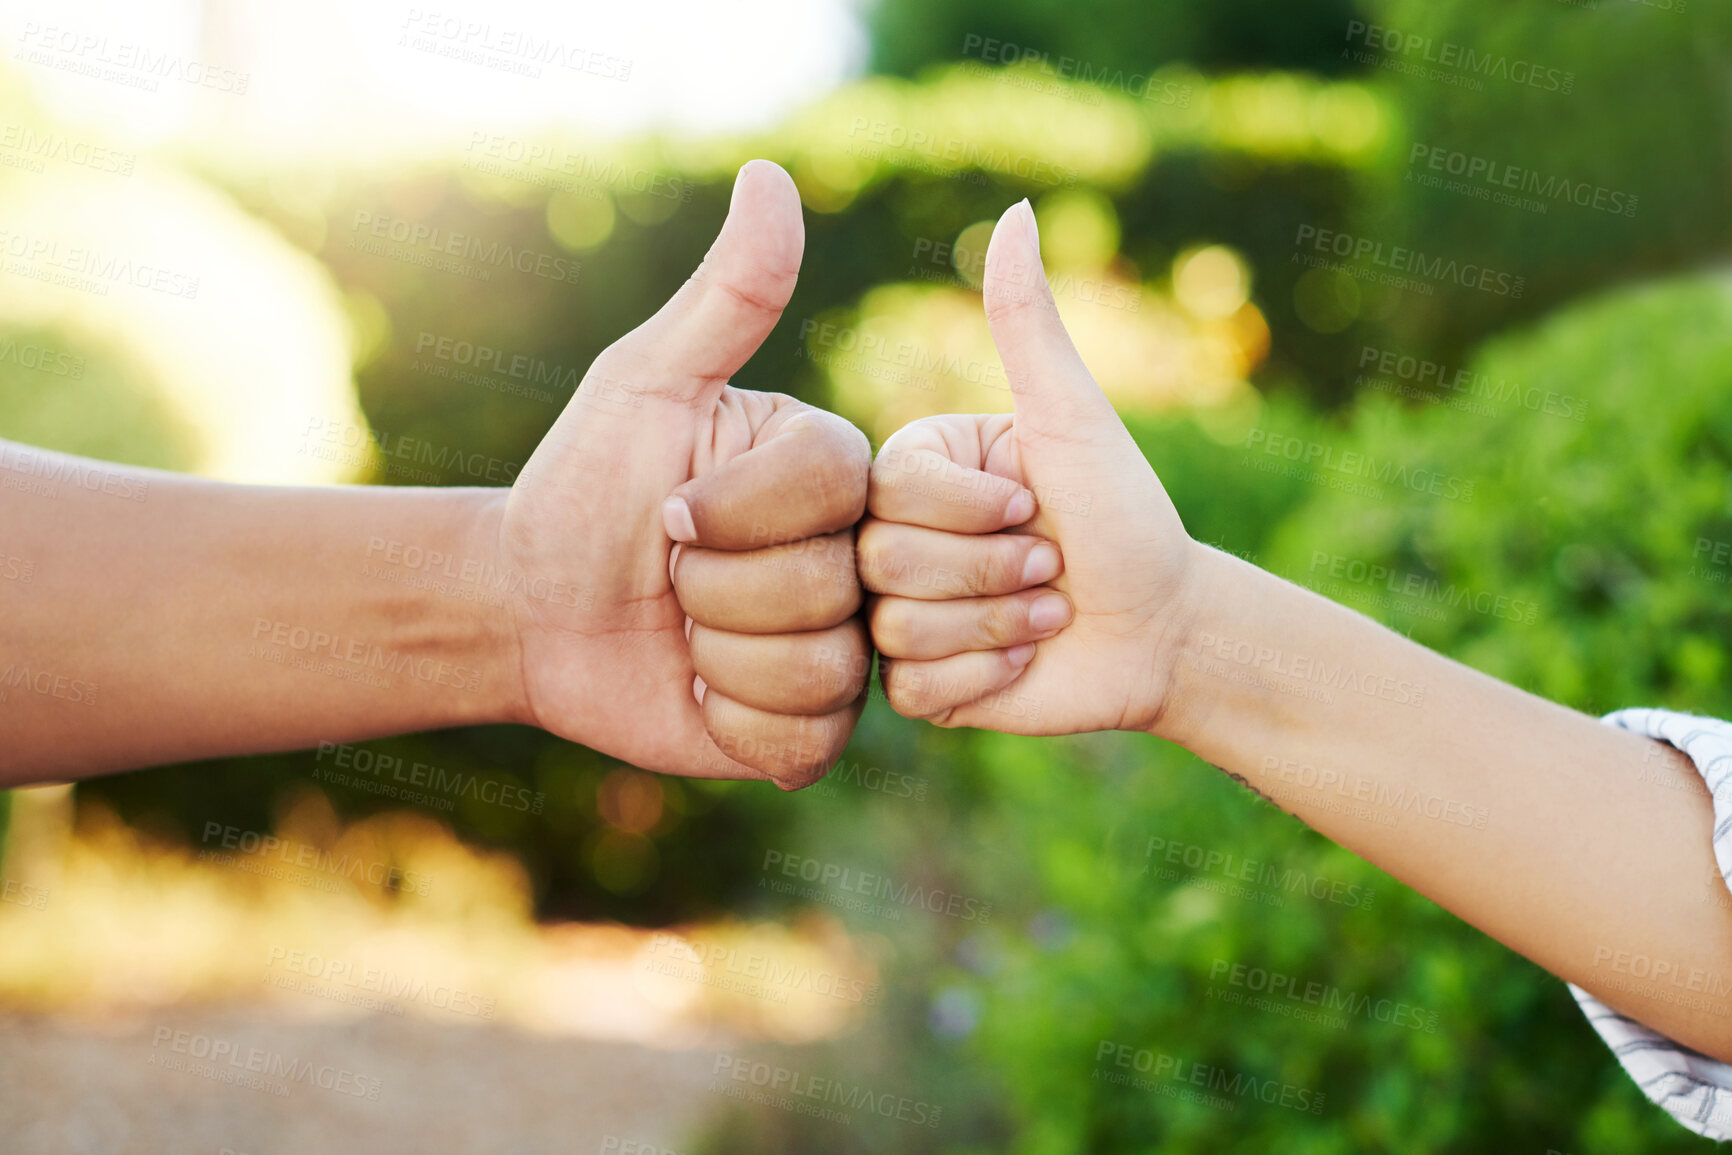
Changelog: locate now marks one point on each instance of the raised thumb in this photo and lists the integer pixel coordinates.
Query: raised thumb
(1052, 389)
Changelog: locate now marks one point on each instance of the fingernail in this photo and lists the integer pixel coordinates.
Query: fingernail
(1020, 655)
(1020, 509)
(677, 518)
(1029, 223)
(699, 689)
(688, 629)
(1048, 612)
(1042, 564)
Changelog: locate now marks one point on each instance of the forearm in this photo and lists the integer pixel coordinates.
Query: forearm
(1541, 826)
(210, 619)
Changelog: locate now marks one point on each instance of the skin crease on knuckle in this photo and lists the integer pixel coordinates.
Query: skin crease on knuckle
(810, 674)
(1000, 565)
(797, 587)
(892, 630)
(841, 478)
(794, 752)
(827, 486)
(909, 695)
(1001, 623)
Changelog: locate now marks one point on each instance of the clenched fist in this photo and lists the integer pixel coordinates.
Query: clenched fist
(713, 528)
(1029, 571)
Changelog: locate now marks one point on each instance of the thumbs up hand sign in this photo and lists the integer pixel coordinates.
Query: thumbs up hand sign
(1029, 572)
(689, 594)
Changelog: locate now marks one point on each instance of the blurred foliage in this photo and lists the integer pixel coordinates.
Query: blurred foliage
(1289, 121)
(1616, 124)
(1114, 34)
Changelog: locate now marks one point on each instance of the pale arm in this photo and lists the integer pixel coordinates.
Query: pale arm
(1578, 844)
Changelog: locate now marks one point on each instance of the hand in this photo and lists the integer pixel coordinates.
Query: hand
(762, 493)
(975, 621)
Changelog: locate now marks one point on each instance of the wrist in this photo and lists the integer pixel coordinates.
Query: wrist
(476, 616)
(1208, 587)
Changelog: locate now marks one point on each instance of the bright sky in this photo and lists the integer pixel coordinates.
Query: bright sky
(376, 77)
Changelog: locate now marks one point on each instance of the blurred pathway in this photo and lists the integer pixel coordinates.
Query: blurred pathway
(70, 1088)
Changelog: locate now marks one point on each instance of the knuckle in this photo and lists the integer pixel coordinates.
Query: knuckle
(999, 622)
(835, 675)
(1000, 568)
(886, 472)
(891, 631)
(800, 770)
(837, 598)
(903, 691)
(794, 753)
(840, 481)
(916, 693)
(811, 747)
(873, 557)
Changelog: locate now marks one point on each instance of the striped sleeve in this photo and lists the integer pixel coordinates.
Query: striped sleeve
(1693, 1088)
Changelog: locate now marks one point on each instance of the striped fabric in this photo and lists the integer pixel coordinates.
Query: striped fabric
(1694, 1089)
